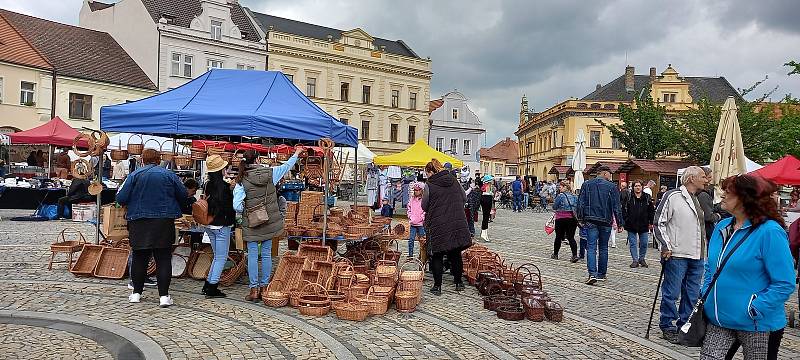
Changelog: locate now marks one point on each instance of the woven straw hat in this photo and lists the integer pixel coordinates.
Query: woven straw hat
(215, 163)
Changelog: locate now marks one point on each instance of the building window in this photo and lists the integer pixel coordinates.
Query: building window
(311, 87)
(26, 93)
(366, 90)
(215, 64)
(498, 169)
(182, 65)
(395, 98)
(343, 120)
(245, 67)
(453, 145)
(412, 134)
(393, 133)
(669, 98)
(439, 144)
(594, 139)
(412, 101)
(364, 129)
(80, 106)
(345, 92)
(615, 143)
(455, 114)
(467, 146)
(290, 77)
(216, 30)
(512, 171)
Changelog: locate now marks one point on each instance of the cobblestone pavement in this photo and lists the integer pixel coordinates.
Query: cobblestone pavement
(605, 321)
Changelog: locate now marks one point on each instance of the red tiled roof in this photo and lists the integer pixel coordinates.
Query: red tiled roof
(560, 169)
(77, 52)
(506, 149)
(15, 49)
(655, 166)
(435, 104)
(613, 166)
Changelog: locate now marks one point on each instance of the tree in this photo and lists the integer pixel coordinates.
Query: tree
(695, 132)
(643, 131)
(795, 67)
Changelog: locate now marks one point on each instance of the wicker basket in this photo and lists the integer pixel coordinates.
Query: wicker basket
(201, 265)
(273, 297)
(406, 301)
(290, 270)
(314, 300)
(352, 311)
(534, 310)
(315, 253)
(411, 280)
(135, 149)
(232, 274)
(511, 313)
(118, 154)
(554, 311)
(112, 264)
(345, 276)
(87, 260)
(377, 304)
(197, 154)
(62, 245)
(309, 275)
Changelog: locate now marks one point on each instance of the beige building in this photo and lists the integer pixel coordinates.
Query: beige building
(40, 80)
(380, 87)
(500, 159)
(547, 138)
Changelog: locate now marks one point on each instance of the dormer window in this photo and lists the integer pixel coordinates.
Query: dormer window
(216, 30)
(170, 19)
(244, 34)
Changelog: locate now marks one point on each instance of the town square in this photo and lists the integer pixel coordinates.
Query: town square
(269, 179)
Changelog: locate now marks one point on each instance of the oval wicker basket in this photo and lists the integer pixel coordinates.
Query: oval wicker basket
(273, 297)
(314, 300)
(135, 149)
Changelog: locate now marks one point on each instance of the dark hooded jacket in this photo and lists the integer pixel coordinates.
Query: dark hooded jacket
(445, 223)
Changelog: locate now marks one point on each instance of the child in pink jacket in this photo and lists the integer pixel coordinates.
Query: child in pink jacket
(416, 217)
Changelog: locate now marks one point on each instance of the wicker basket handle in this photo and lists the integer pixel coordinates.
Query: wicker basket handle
(141, 139)
(156, 141)
(317, 289)
(90, 143)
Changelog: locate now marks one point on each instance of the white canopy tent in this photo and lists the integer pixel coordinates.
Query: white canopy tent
(750, 165)
(349, 157)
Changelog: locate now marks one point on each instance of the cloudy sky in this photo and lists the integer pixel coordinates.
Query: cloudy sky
(494, 51)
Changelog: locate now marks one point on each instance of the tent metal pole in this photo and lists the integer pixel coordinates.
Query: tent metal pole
(325, 186)
(99, 175)
(49, 160)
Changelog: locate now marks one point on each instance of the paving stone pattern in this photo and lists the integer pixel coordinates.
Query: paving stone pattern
(604, 321)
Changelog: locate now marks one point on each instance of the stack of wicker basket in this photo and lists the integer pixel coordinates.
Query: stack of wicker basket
(409, 286)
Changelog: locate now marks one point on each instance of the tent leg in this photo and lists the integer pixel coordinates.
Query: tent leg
(325, 187)
(49, 160)
(99, 175)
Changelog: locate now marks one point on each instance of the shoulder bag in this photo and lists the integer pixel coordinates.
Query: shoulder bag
(257, 215)
(694, 331)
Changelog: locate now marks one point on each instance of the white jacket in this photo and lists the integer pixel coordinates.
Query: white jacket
(677, 227)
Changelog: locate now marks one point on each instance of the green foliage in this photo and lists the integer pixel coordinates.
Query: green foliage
(643, 131)
(795, 67)
(695, 131)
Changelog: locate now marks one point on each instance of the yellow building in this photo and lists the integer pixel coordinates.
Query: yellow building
(500, 159)
(547, 138)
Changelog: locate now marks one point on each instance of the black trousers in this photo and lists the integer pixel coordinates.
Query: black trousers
(456, 266)
(486, 208)
(163, 259)
(773, 344)
(565, 228)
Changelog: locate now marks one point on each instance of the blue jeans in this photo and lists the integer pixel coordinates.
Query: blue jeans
(526, 198)
(681, 277)
(220, 243)
(517, 202)
(413, 233)
(583, 243)
(252, 263)
(638, 244)
(597, 249)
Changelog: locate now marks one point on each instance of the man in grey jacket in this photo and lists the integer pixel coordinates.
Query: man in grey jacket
(680, 230)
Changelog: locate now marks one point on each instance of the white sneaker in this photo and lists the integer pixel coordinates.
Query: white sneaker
(165, 301)
(134, 298)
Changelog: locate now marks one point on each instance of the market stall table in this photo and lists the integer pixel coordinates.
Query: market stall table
(30, 199)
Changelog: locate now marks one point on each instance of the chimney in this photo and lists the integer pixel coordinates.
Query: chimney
(652, 75)
(629, 87)
(597, 87)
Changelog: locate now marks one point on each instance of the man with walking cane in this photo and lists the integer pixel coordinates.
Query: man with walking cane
(680, 230)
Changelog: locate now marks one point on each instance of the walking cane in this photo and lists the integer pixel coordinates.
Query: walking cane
(653, 310)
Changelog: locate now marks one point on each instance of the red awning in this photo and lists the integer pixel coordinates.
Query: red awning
(785, 171)
(54, 132)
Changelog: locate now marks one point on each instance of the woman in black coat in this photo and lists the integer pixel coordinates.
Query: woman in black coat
(445, 225)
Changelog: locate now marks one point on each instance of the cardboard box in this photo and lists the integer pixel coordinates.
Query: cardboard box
(238, 239)
(84, 212)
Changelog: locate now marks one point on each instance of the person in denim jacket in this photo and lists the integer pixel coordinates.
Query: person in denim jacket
(564, 206)
(746, 304)
(598, 206)
(153, 196)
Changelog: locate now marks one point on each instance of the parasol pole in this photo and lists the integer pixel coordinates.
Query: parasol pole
(49, 160)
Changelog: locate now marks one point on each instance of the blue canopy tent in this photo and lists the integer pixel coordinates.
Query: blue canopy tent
(230, 103)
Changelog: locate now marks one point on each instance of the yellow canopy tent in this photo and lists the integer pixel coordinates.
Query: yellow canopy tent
(417, 155)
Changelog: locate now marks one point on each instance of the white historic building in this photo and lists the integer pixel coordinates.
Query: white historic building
(455, 129)
(174, 41)
(380, 87)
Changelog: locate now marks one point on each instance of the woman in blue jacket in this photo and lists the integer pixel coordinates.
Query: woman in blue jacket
(746, 305)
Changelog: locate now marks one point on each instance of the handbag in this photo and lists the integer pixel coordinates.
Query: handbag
(694, 331)
(257, 214)
(200, 212)
(550, 226)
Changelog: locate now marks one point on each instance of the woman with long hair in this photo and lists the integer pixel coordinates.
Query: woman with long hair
(564, 206)
(255, 187)
(220, 206)
(487, 204)
(445, 225)
(746, 303)
(153, 196)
